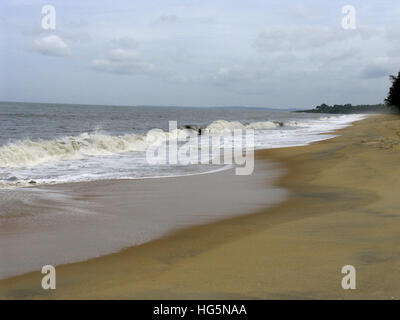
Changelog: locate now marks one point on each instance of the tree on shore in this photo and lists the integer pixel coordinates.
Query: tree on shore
(393, 98)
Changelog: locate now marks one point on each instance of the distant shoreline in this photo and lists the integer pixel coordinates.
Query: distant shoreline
(350, 109)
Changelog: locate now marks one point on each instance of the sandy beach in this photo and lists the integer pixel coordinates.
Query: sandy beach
(343, 209)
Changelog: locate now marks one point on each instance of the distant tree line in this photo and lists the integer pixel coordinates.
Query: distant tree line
(349, 108)
(392, 103)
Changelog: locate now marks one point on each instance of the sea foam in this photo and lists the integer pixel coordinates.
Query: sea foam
(99, 155)
(30, 153)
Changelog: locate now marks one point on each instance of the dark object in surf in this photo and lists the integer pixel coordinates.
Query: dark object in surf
(393, 98)
(32, 182)
(194, 128)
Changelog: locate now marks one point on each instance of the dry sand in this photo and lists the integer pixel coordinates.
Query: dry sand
(344, 209)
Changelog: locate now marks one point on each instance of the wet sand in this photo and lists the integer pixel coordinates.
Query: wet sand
(343, 209)
(71, 222)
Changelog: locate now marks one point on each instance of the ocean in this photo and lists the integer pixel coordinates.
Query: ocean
(50, 144)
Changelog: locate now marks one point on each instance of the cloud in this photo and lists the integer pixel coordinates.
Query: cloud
(302, 11)
(121, 61)
(169, 18)
(393, 38)
(306, 37)
(125, 43)
(378, 68)
(70, 34)
(229, 75)
(51, 46)
(330, 56)
(78, 37)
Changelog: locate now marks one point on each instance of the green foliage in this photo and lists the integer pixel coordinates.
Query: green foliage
(348, 108)
(392, 103)
(393, 98)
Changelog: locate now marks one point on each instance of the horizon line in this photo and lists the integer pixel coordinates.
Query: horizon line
(150, 105)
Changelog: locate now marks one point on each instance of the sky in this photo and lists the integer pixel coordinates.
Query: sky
(281, 54)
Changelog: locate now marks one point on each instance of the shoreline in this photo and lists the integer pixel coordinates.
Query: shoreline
(74, 222)
(293, 250)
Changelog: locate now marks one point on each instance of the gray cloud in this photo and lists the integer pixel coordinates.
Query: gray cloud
(80, 37)
(121, 61)
(125, 43)
(302, 11)
(307, 37)
(378, 68)
(174, 19)
(169, 18)
(71, 34)
(229, 75)
(341, 55)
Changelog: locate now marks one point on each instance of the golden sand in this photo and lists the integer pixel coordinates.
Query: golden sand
(344, 209)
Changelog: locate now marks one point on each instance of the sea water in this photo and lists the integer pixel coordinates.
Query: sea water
(50, 144)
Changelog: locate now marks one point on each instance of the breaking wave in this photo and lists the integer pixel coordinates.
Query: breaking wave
(30, 153)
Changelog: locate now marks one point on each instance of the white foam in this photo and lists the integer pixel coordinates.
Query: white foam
(262, 125)
(97, 156)
(30, 153)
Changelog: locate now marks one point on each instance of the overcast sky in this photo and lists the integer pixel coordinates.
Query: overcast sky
(198, 52)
